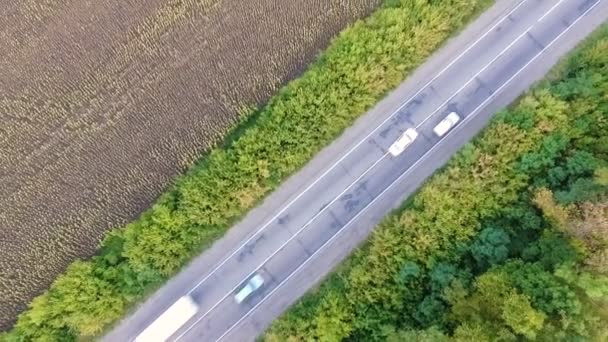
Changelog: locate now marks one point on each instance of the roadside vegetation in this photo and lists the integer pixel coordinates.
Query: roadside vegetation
(509, 242)
(360, 66)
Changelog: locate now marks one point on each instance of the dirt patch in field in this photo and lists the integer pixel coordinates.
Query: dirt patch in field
(103, 103)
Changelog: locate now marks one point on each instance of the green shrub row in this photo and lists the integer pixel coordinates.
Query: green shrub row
(490, 248)
(361, 65)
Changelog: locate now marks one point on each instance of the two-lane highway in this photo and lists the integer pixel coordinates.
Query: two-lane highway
(290, 237)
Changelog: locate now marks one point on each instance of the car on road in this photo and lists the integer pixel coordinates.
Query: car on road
(403, 142)
(446, 124)
(252, 285)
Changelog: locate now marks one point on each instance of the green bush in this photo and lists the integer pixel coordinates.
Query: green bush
(361, 65)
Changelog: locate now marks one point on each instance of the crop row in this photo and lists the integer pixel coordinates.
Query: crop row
(104, 103)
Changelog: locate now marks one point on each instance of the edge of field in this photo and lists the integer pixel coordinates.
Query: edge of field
(361, 65)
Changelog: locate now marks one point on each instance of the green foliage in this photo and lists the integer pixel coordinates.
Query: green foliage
(332, 324)
(495, 304)
(594, 285)
(519, 315)
(581, 189)
(82, 301)
(550, 250)
(442, 275)
(491, 247)
(536, 164)
(430, 311)
(601, 176)
(361, 65)
(486, 251)
(544, 289)
(409, 272)
(432, 334)
(470, 331)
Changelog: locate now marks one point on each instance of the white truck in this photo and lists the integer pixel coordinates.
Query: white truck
(170, 320)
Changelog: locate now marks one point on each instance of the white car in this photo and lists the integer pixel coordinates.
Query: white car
(252, 285)
(403, 142)
(446, 124)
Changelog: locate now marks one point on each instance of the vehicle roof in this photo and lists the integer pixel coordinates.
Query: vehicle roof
(256, 280)
(252, 284)
(169, 321)
(453, 115)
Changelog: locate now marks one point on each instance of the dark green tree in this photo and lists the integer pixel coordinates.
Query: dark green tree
(491, 247)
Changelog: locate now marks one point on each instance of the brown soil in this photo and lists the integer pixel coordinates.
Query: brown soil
(103, 103)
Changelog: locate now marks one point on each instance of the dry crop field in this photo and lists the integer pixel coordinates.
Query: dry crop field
(103, 103)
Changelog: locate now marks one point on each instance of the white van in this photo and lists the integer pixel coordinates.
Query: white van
(446, 124)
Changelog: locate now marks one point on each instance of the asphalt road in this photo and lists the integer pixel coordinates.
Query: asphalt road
(320, 214)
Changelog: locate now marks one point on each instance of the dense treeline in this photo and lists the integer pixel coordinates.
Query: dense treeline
(509, 242)
(360, 66)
